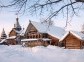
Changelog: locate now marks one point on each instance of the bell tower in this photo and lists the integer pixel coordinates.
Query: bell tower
(17, 25)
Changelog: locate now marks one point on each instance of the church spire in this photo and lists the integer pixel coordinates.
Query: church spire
(3, 34)
(17, 25)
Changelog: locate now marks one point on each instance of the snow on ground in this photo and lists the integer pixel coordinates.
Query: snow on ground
(17, 53)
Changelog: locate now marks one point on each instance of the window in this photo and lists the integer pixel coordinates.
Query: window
(48, 42)
(45, 35)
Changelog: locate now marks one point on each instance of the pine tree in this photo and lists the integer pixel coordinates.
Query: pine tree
(3, 35)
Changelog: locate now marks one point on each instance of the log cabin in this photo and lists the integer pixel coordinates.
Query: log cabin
(72, 40)
(41, 31)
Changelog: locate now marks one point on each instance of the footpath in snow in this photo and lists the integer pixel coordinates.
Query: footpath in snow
(17, 53)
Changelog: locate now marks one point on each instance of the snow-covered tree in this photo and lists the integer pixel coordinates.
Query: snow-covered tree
(3, 35)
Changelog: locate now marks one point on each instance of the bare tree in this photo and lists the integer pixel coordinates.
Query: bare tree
(53, 7)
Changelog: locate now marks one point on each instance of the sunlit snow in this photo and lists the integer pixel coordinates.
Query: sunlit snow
(17, 53)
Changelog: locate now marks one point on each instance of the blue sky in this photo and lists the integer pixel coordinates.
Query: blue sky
(8, 18)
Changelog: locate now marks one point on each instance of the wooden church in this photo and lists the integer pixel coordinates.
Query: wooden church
(14, 34)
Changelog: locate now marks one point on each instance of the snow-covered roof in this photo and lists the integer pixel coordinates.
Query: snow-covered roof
(46, 39)
(64, 36)
(3, 40)
(75, 33)
(80, 35)
(28, 40)
(12, 37)
(55, 31)
(21, 32)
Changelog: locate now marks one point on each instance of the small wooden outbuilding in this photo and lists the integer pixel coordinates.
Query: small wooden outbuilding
(72, 40)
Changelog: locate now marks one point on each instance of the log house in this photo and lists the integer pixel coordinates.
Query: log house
(73, 40)
(36, 30)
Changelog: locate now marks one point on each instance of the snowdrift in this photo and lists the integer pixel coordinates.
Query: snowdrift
(17, 53)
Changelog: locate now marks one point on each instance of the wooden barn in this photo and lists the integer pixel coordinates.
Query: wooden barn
(72, 40)
(42, 32)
